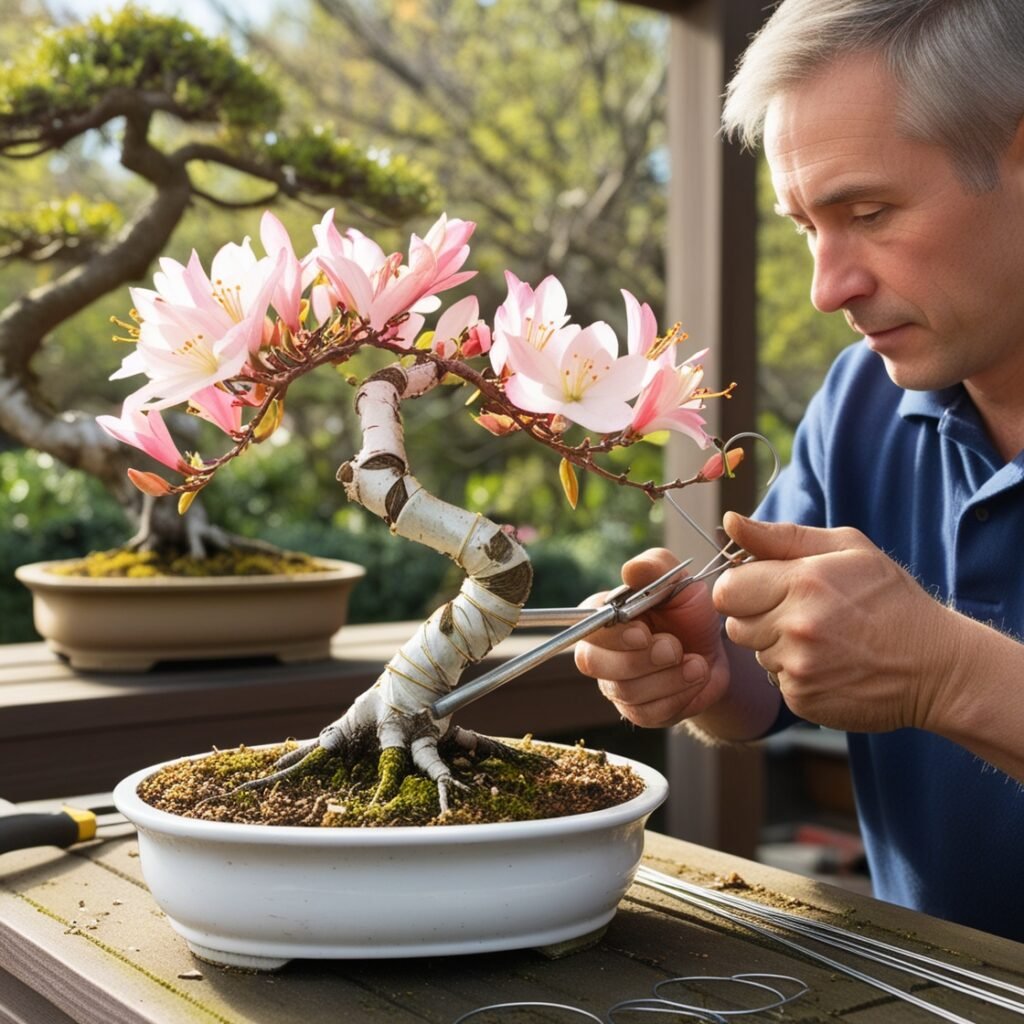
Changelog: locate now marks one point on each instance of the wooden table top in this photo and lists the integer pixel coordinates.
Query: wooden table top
(82, 941)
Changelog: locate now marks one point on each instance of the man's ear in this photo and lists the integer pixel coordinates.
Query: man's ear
(1013, 158)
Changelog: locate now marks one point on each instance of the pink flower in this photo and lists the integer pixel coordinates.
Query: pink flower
(642, 336)
(533, 316)
(381, 288)
(352, 263)
(147, 432)
(716, 465)
(577, 375)
(458, 321)
(218, 407)
(446, 242)
(287, 297)
(478, 340)
(196, 332)
(667, 402)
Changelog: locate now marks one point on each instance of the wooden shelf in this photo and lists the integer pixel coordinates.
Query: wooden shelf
(64, 731)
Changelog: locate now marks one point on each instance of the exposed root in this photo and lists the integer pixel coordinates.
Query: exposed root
(481, 746)
(393, 764)
(287, 765)
(392, 767)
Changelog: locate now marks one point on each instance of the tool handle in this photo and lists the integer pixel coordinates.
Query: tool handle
(24, 831)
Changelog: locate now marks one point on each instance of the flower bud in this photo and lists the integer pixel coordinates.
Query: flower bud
(149, 483)
(714, 467)
(497, 424)
(478, 340)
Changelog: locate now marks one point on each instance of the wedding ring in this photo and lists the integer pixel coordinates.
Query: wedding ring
(773, 679)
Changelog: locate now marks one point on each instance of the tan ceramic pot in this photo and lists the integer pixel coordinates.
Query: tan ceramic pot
(128, 625)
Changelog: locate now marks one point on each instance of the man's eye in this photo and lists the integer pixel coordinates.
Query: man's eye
(869, 217)
(803, 228)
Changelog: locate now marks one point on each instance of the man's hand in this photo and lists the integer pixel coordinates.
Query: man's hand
(669, 664)
(853, 639)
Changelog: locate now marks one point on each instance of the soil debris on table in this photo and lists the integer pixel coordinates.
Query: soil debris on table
(538, 781)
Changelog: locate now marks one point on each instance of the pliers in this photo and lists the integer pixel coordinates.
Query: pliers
(620, 605)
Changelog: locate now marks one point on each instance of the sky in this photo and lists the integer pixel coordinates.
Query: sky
(200, 13)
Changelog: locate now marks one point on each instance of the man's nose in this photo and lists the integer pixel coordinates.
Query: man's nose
(841, 274)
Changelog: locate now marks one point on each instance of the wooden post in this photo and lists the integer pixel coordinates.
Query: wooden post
(716, 792)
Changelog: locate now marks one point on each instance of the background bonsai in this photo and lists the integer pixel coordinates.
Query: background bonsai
(183, 113)
(229, 344)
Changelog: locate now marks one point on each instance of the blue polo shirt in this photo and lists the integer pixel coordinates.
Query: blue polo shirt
(916, 472)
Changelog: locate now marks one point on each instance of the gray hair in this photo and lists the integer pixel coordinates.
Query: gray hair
(960, 64)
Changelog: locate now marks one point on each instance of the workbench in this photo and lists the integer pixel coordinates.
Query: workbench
(82, 941)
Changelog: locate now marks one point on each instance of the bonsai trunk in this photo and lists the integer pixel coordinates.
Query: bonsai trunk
(395, 710)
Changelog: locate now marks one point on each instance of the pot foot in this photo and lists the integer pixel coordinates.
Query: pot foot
(243, 961)
(556, 950)
(104, 661)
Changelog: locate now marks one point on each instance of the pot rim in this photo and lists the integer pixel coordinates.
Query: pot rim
(37, 575)
(148, 818)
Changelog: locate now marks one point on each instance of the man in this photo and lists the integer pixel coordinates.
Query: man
(887, 595)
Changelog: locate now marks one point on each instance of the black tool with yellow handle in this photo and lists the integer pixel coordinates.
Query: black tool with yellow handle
(61, 828)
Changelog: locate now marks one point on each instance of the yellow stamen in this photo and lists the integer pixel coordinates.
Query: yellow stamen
(724, 393)
(673, 336)
(538, 334)
(133, 331)
(580, 377)
(230, 299)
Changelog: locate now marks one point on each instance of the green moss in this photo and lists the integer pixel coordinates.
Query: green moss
(534, 781)
(121, 562)
(392, 768)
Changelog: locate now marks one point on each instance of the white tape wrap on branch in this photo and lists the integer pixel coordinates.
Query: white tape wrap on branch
(498, 573)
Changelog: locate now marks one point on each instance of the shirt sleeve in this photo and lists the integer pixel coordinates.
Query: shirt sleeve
(798, 494)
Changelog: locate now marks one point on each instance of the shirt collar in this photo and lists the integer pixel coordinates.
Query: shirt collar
(933, 404)
(956, 419)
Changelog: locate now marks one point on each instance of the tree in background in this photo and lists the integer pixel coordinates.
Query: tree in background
(544, 123)
(796, 343)
(196, 124)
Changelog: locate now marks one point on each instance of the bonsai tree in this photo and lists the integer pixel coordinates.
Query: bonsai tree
(229, 344)
(180, 108)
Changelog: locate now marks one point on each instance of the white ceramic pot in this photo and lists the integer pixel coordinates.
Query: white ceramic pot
(257, 896)
(129, 624)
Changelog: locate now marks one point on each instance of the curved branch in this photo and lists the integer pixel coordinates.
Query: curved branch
(62, 127)
(209, 153)
(227, 204)
(75, 438)
(498, 580)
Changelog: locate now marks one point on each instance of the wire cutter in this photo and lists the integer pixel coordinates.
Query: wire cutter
(621, 605)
